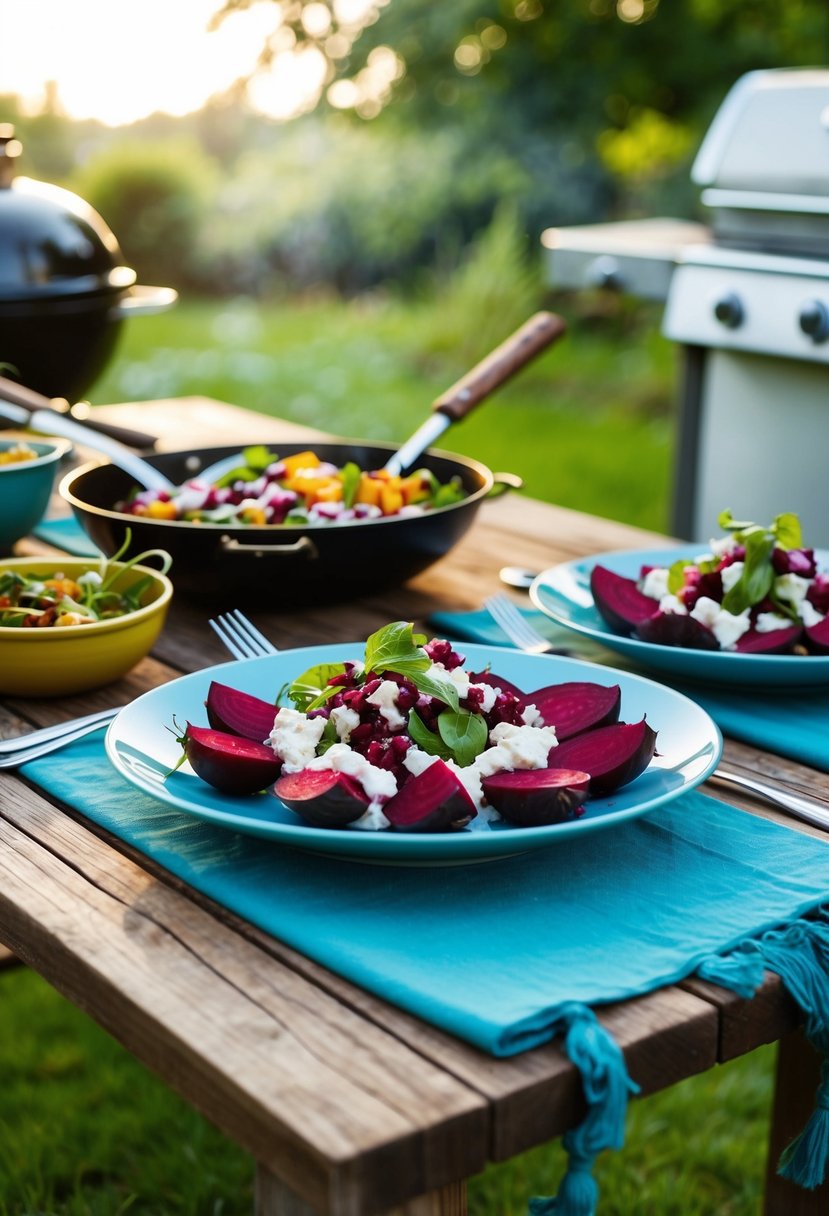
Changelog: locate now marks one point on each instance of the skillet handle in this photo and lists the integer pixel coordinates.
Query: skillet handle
(502, 483)
(304, 547)
(513, 353)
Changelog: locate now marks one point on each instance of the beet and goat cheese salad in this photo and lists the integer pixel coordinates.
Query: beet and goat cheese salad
(295, 491)
(407, 739)
(757, 591)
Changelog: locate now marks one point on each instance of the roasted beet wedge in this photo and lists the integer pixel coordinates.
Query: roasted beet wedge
(433, 801)
(817, 637)
(228, 762)
(576, 706)
(238, 713)
(533, 798)
(677, 629)
(612, 755)
(619, 600)
(776, 641)
(322, 798)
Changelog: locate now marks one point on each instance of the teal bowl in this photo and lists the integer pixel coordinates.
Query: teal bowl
(26, 487)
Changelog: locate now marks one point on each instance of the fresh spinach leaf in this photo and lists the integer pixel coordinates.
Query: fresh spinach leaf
(311, 689)
(464, 733)
(426, 739)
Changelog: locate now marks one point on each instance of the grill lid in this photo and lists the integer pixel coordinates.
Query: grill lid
(764, 163)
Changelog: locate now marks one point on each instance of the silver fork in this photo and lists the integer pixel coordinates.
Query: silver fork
(517, 628)
(240, 636)
(527, 638)
(237, 633)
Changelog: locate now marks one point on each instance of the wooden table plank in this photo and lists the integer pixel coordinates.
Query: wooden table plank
(360, 1107)
(338, 1107)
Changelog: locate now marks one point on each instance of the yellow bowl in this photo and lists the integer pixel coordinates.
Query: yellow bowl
(73, 658)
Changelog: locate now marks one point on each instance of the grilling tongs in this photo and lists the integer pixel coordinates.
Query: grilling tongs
(32, 402)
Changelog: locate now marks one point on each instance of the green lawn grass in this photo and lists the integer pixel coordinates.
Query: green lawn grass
(587, 425)
(84, 1129)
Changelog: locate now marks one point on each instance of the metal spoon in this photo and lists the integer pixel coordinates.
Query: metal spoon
(50, 422)
(517, 576)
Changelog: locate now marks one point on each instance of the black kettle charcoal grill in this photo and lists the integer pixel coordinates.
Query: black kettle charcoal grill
(747, 298)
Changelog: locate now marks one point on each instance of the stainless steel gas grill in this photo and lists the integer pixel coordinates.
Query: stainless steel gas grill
(747, 297)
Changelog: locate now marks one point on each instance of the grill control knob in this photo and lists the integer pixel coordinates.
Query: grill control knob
(814, 320)
(729, 310)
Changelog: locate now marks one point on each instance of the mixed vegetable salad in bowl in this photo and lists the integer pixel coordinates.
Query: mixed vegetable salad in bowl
(71, 624)
(406, 739)
(295, 490)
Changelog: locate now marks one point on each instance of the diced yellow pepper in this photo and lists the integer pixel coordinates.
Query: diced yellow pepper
(302, 460)
(328, 490)
(391, 499)
(415, 488)
(253, 515)
(64, 586)
(161, 510)
(369, 490)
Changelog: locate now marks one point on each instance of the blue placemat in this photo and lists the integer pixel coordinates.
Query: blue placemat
(67, 534)
(793, 724)
(504, 955)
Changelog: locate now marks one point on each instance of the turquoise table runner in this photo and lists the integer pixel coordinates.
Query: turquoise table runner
(792, 724)
(509, 954)
(64, 532)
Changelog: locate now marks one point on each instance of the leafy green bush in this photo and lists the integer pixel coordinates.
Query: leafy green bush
(154, 198)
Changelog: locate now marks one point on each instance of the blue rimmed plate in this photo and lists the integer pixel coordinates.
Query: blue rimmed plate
(563, 594)
(143, 749)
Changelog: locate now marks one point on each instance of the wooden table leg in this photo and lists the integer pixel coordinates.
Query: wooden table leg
(797, 1078)
(273, 1198)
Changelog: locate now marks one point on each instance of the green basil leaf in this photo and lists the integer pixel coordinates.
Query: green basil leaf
(311, 689)
(258, 457)
(426, 739)
(395, 647)
(328, 738)
(786, 529)
(351, 482)
(757, 577)
(433, 686)
(465, 733)
(676, 575)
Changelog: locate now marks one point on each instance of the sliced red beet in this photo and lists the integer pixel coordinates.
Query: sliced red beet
(576, 706)
(677, 629)
(321, 797)
(619, 600)
(495, 681)
(239, 713)
(535, 797)
(817, 636)
(612, 755)
(228, 762)
(433, 801)
(775, 641)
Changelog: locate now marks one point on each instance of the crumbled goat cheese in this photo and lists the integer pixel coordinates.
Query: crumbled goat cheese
(192, 496)
(768, 622)
(727, 627)
(792, 588)
(655, 583)
(721, 545)
(731, 575)
(489, 696)
(808, 614)
(457, 676)
(294, 738)
(516, 747)
(379, 784)
(532, 716)
(385, 699)
(345, 720)
(372, 821)
(670, 603)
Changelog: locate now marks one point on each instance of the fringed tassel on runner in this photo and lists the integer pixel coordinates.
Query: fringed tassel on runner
(799, 954)
(606, 1088)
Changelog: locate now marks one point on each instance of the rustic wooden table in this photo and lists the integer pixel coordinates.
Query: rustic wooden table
(360, 1108)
